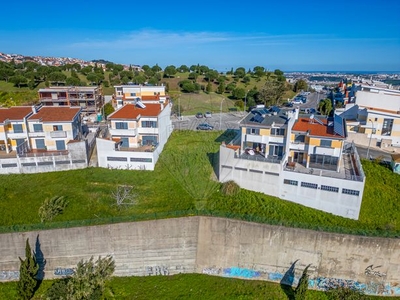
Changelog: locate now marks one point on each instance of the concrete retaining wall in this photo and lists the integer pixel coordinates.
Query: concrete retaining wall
(216, 246)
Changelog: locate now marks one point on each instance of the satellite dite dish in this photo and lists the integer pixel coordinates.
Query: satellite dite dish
(312, 118)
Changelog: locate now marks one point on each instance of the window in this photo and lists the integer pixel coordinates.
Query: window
(326, 143)
(149, 140)
(299, 138)
(277, 131)
(111, 158)
(309, 185)
(133, 94)
(330, 188)
(121, 125)
(290, 182)
(57, 128)
(350, 192)
(60, 145)
(141, 159)
(124, 142)
(253, 131)
(18, 128)
(275, 150)
(149, 124)
(37, 127)
(20, 141)
(40, 144)
(387, 126)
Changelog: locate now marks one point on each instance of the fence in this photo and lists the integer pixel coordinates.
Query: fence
(187, 213)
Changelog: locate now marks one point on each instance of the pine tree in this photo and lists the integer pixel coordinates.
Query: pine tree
(301, 289)
(27, 274)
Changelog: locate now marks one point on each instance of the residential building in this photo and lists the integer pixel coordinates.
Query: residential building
(136, 94)
(41, 139)
(373, 118)
(89, 98)
(136, 136)
(303, 159)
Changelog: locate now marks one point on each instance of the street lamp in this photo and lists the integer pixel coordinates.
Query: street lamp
(370, 137)
(245, 100)
(220, 113)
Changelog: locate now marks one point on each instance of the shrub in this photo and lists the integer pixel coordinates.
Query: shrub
(51, 208)
(230, 188)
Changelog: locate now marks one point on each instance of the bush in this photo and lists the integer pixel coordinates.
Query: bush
(230, 188)
(52, 208)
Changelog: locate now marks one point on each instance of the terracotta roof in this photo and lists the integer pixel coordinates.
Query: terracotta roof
(314, 128)
(130, 111)
(14, 113)
(151, 97)
(55, 114)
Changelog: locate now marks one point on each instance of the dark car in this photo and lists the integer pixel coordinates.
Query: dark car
(204, 126)
(199, 115)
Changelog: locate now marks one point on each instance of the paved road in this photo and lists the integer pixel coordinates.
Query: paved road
(221, 121)
(373, 153)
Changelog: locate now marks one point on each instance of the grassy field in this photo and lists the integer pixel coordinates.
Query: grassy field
(185, 180)
(183, 286)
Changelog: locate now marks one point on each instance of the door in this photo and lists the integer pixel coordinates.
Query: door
(60, 145)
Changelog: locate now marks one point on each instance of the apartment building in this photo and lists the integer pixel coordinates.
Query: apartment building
(136, 136)
(89, 98)
(137, 94)
(299, 158)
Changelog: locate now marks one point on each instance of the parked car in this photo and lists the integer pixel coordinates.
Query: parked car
(199, 115)
(297, 101)
(204, 126)
(207, 114)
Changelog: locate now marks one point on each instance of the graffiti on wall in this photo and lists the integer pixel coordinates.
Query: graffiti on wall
(371, 270)
(9, 275)
(212, 271)
(64, 271)
(241, 272)
(156, 270)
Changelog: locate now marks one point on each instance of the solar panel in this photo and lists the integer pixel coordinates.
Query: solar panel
(318, 121)
(338, 126)
(258, 118)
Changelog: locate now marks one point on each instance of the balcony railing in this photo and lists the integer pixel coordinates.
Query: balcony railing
(58, 134)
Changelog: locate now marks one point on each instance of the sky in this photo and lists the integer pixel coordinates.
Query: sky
(287, 35)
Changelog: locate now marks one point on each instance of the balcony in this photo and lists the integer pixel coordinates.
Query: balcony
(37, 134)
(58, 134)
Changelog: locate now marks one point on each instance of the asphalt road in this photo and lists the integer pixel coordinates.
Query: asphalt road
(221, 121)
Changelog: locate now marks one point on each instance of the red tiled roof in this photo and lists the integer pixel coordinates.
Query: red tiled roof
(14, 113)
(130, 111)
(314, 128)
(55, 114)
(151, 97)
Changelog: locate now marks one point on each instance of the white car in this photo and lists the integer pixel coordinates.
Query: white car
(297, 101)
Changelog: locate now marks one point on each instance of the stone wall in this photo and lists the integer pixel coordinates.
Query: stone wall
(215, 246)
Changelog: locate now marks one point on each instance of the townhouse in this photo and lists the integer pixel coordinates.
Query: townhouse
(373, 117)
(136, 136)
(89, 98)
(299, 158)
(41, 139)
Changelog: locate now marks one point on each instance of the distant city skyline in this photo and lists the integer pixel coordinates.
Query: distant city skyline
(294, 36)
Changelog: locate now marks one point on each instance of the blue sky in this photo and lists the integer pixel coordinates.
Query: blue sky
(287, 35)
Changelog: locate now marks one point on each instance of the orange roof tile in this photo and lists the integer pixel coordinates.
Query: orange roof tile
(130, 111)
(314, 128)
(14, 113)
(55, 114)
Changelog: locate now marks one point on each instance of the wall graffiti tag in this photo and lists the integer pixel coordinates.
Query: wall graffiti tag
(157, 270)
(212, 271)
(241, 272)
(64, 271)
(9, 275)
(370, 270)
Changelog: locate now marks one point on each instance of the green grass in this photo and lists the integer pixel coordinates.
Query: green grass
(184, 180)
(183, 286)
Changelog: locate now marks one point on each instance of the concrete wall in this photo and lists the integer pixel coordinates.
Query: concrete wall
(216, 246)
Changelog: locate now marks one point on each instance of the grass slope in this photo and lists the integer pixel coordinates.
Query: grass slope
(185, 180)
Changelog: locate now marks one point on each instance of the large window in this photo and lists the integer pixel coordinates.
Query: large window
(275, 150)
(326, 143)
(18, 128)
(57, 128)
(277, 131)
(149, 140)
(37, 127)
(387, 126)
(60, 145)
(121, 125)
(253, 131)
(149, 124)
(299, 138)
(124, 142)
(320, 161)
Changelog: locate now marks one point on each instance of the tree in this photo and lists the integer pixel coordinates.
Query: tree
(57, 77)
(259, 71)
(156, 68)
(170, 71)
(239, 93)
(52, 207)
(73, 81)
(123, 196)
(272, 92)
(302, 287)
(28, 270)
(183, 69)
(18, 80)
(325, 106)
(240, 72)
(300, 84)
(344, 293)
(89, 279)
(221, 88)
(108, 109)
